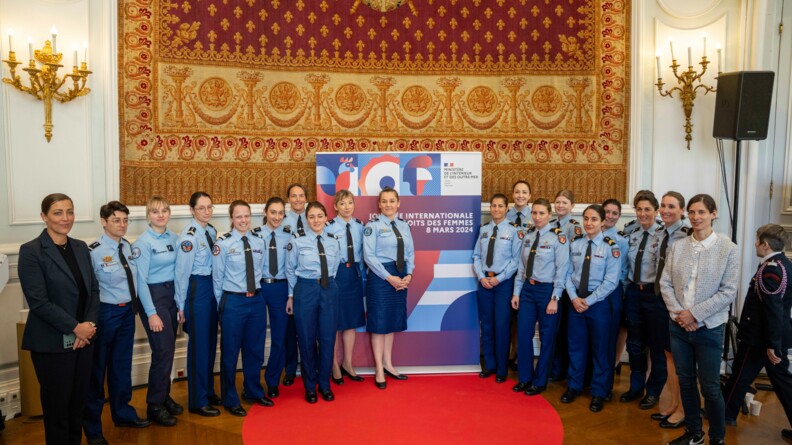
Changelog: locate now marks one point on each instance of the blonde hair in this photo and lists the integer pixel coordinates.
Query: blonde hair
(343, 194)
(156, 202)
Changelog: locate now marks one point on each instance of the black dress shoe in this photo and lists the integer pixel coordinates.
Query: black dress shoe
(395, 376)
(263, 401)
(289, 380)
(206, 411)
(648, 402)
(629, 396)
(380, 385)
(214, 400)
(717, 442)
(272, 392)
(500, 378)
(97, 440)
(534, 390)
(236, 411)
(310, 396)
(609, 397)
(137, 423)
(660, 416)
(569, 396)
(354, 378)
(596, 404)
(786, 434)
(159, 415)
(173, 407)
(672, 425)
(486, 374)
(617, 369)
(337, 381)
(521, 386)
(327, 395)
(731, 422)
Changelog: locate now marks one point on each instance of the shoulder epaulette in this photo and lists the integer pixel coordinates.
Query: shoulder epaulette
(622, 234)
(297, 234)
(557, 231)
(225, 236)
(400, 219)
(609, 240)
(359, 221)
(660, 228)
(687, 230)
(332, 221)
(578, 237)
(574, 221)
(330, 235)
(257, 234)
(286, 229)
(554, 220)
(257, 230)
(210, 225)
(530, 229)
(374, 218)
(94, 245)
(484, 224)
(191, 231)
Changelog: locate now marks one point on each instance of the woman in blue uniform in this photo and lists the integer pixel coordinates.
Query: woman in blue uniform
(295, 223)
(351, 314)
(647, 320)
(311, 265)
(537, 288)
(495, 259)
(520, 213)
(237, 262)
(617, 339)
(275, 289)
(197, 306)
(564, 203)
(390, 255)
(594, 273)
(156, 265)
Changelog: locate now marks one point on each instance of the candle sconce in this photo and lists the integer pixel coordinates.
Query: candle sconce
(45, 84)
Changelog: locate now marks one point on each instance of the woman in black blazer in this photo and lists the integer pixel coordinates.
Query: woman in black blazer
(63, 296)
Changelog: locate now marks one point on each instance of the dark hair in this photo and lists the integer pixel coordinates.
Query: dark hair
(522, 181)
(614, 202)
(233, 206)
(107, 210)
(705, 199)
(774, 235)
(291, 186)
(196, 196)
(678, 196)
(640, 194)
(597, 208)
(315, 205)
(273, 200)
(566, 194)
(499, 196)
(647, 197)
(52, 198)
(389, 190)
(543, 202)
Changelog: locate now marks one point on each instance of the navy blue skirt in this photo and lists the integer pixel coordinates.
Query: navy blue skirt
(350, 297)
(387, 307)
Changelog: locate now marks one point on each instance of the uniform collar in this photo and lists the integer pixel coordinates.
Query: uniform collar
(652, 229)
(544, 229)
(387, 220)
(156, 235)
(525, 212)
(339, 220)
(237, 235)
(598, 239)
(502, 224)
(565, 219)
(770, 255)
(198, 225)
(674, 227)
(104, 239)
(312, 235)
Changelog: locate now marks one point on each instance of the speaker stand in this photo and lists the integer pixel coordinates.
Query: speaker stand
(731, 324)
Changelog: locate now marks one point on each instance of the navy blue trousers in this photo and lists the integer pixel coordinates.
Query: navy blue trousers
(163, 343)
(494, 311)
(201, 313)
(589, 333)
(534, 299)
(244, 324)
(292, 351)
(561, 356)
(316, 317)
(615, 305)
(115, 336)
(275, 296)
(647, 329)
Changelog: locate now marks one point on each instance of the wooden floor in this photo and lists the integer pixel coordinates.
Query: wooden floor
(618, 423)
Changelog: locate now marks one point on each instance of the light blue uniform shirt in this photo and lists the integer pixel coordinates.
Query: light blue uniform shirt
(379, 245)
(282, 239)
(525, 215)
(302, 260)
(651, 252)
(604, 270)
(113, 284)
(290, 223)
(506, 255)
(624, 246)
(193, 258)
(337, 226)
(228, 262)
(570, 226)
(551, 260)
(156, 263)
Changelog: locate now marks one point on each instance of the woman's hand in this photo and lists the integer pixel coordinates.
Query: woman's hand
(78, 344)
(686, 320)
(84, 331)
(771, 355)
(515, 302)
(580, 305)
(290, 306)
(155, 323)
(396, 282)
(180, 317)
(485, 283)
(552, 306)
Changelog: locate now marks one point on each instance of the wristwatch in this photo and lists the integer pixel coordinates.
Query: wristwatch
(555, 298)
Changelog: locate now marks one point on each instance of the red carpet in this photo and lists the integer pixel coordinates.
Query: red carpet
(432, 409)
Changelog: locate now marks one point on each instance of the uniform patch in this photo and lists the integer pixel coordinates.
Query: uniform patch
(186, 246)
(287, 228)
(216, 250)
(562, 239)
(578, 231)
(136, 253)
(289, 246)
(107, 259)
(520, 234)
(368, 231)
(616, 252)
(170, 248)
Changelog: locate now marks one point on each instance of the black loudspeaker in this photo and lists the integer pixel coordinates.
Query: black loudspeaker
(742, 105)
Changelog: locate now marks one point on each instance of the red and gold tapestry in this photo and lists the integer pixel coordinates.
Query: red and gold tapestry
(235, 97)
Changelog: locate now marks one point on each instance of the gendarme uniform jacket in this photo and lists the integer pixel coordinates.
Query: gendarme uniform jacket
(506, 253)
(379, 245)
(604, 271)
(525, 216)
(228, 262)
(551, 261)
(109, 270)
(193, 258)
(303, 260)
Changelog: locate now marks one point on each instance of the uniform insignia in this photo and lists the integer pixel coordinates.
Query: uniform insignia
(578, 231)
(136, 253)
(687, 230)
(107, 259)
(368, 231)
(225, 236)
(574, 221)
(577, 237)
(400, 219)
(531, 229)
(191, 231)
(170, 248)
(332, 221)
(520, 234)
(622, 234)
(615, 251)
(513, 224)
(358, 221)
(375, 218)
(289, 246)
(562, 239)
(660, 229)
(186, 246)
(257, 230)
(94, 245)
(330, 235)
(287, 228)
(216, 250)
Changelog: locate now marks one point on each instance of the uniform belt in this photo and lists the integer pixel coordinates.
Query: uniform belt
(492, 274)
(241, 294)
(312, 280)
(128, 303)
(165, 284)
(534, 282)
(644, 286)
(272, 280)
(389, 263)
(348, 264)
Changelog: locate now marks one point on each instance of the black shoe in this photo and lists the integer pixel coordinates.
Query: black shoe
(310, 396)
(500, 378)
(535, 390)
(569, 396)
(272, 392)
(521, 387)
(689, 438)
(337, 381)
(486, 373)
(660, 416)
(97, 440)
(673, 425)
(263, 401)
(648, 402)
(609, 397)
(206, 411)
(137, 423)
(159, 415)
(289, 380)
(596, 404)
(717, 442)
(380, 385)
(354, 378)
(214, 400)
(395, 376)
(236, 411)
(786, 434)
(617, 369)
(629, 396)
(174, 408)
(731, 422)
(327, 395)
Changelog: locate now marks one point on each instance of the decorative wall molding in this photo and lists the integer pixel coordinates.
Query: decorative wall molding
(686, 9)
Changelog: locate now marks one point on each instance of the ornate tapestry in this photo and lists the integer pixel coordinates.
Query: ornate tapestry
(235, 97)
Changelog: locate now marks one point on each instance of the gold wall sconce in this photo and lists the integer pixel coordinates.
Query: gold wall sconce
(45, 84)
(688, 82)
